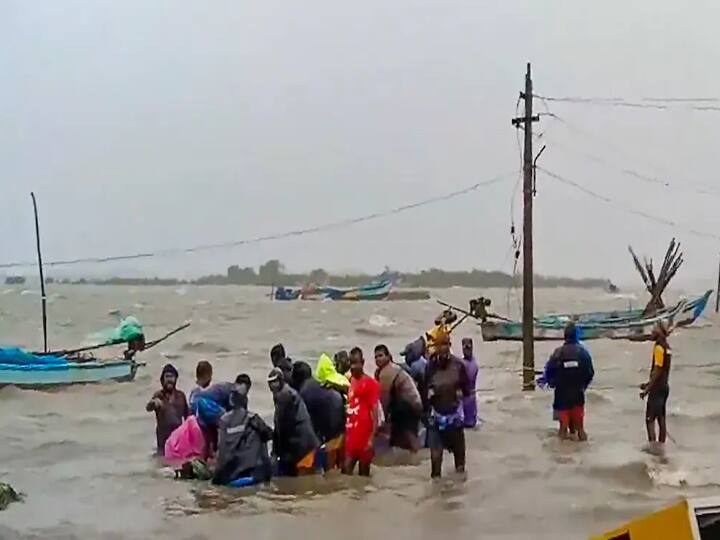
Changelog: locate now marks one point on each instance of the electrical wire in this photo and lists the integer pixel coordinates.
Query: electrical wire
(266, 238)
(627, 208)
(688, 187)
(690, 104)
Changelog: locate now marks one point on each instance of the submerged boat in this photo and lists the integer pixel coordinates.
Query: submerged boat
(630, 324)
(689, 519)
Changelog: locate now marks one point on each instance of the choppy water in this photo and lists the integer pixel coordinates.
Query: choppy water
(83, 455)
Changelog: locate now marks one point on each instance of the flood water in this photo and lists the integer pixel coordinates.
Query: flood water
(84, 455)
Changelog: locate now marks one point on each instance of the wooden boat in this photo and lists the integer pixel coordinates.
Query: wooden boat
(689, 519)
(48, 369)
(623, 325)
(85, 372)
(372, 291)
(618, 316)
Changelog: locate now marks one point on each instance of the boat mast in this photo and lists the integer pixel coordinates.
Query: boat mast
(42, 277)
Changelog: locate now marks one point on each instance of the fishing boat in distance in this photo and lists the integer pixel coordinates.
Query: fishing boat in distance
(378, 290)
(48, 369)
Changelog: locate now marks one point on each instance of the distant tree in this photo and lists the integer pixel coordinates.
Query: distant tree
(241, 276)
(271, 272)
(319, 276)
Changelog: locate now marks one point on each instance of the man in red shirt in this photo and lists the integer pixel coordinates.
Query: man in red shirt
(362, 416)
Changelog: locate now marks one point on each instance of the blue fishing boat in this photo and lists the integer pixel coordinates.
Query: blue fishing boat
(48, 369)
(27, 370)
(610, 325)
(378, 290)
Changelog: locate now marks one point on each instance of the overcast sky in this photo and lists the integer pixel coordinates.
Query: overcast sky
(149, 125)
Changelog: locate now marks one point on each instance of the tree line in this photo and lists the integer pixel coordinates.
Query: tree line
(273, 273)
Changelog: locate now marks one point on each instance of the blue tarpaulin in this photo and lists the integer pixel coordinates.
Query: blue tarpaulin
(19, 357)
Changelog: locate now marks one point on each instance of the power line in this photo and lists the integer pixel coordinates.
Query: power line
(691, 187)
(266, 238)
(627, 208)
(689, 104)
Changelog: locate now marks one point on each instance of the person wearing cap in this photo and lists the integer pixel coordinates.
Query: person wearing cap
(169, 405)
(471, 368)
(294, 440)
(447, 385)
(570, 371)
(242, 440)
(657, 389)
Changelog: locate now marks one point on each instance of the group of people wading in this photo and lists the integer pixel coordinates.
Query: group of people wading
(335, 417)
(339, 417)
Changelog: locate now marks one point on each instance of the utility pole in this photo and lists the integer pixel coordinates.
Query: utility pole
(526, 122)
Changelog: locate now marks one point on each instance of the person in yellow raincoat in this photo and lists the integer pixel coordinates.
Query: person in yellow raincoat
(328, 376)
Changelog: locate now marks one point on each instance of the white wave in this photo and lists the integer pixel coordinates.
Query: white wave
(381, 321)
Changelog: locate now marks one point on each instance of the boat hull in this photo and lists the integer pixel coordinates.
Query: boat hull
(683, 314)
(68, 374)
(374, 291)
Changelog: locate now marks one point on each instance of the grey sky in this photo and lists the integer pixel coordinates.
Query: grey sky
(147, 125)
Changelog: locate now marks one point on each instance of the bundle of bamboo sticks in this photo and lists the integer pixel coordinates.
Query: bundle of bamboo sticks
(656, 285)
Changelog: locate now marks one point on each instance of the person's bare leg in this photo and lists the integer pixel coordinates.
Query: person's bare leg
(436, 458)
(650, 425)
(580, 429)
(459, 451)
(663, 429)
(349, 466)
(564, 431)
(364, 469)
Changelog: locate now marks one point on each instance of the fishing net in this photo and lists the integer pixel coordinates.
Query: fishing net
(129, 329)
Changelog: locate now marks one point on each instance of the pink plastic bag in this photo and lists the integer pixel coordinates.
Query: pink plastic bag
(185, 443)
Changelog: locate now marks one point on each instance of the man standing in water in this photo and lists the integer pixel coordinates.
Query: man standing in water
(294, 440)
(447, 385)
(400, 400)
(203, 377)
(280, 360)
(570, 371)
(169, 405)
(657, 389)
(362, 416)
(471, 368)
